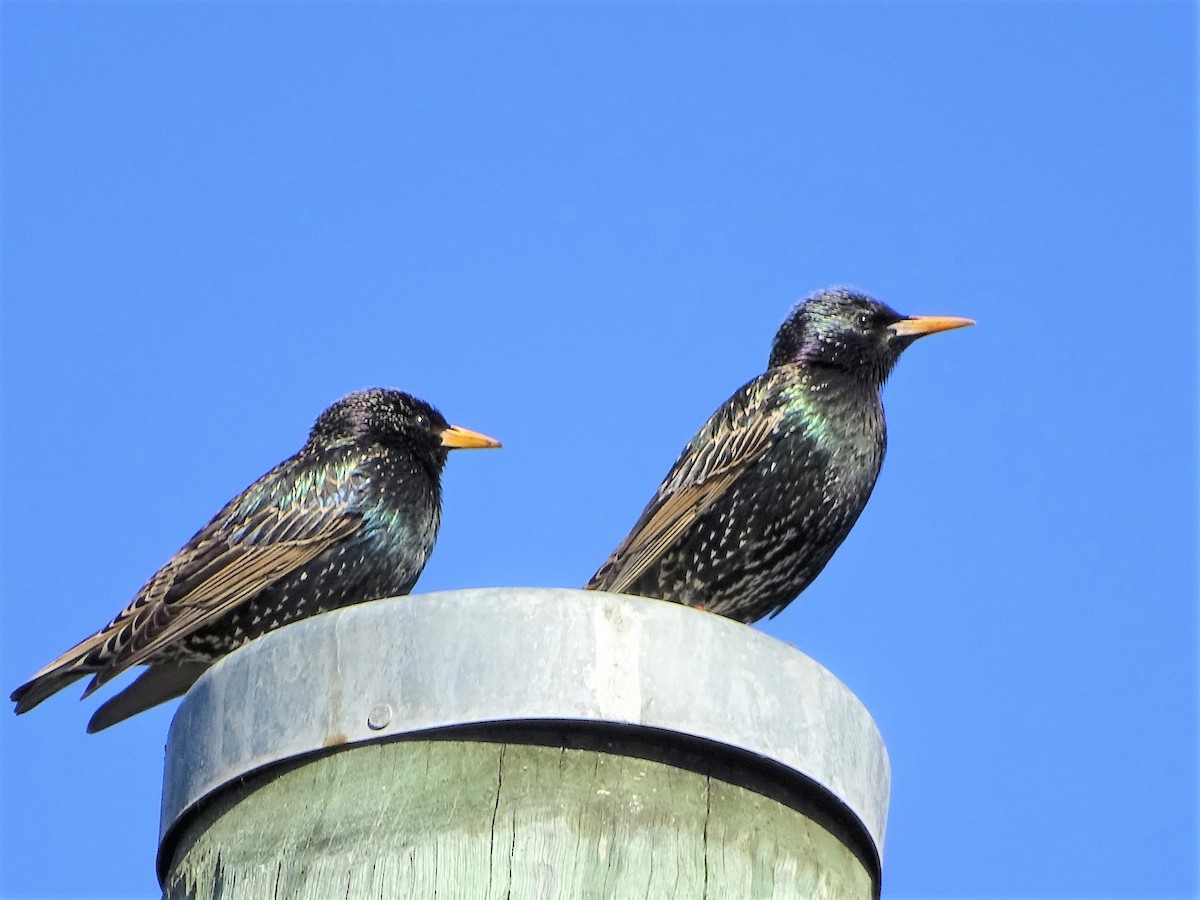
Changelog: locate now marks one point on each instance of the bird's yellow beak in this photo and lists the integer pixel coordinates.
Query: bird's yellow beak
(464, 439)
(916, 326)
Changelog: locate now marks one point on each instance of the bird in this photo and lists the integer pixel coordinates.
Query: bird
(351, 517)
(769, 487)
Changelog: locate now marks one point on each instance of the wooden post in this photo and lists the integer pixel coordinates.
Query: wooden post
(512, 743)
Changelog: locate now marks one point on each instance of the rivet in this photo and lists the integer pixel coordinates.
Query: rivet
(379, 717)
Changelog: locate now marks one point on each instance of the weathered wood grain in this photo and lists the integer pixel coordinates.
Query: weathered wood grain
(509, 818)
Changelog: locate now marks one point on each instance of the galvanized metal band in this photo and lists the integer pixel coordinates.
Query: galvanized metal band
(428, 661)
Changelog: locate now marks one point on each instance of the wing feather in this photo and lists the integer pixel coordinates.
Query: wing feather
(237, 555)
(236, 576)
(734, 437)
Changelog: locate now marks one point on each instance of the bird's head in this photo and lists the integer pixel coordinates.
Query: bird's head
(394, 418)
(842, 329)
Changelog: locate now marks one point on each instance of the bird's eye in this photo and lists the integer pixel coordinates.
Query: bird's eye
(864, 320)
(421, 420)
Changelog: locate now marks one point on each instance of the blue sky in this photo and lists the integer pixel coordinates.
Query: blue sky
(576, 227)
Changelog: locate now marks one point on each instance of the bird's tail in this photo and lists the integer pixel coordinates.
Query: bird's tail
(156, 685)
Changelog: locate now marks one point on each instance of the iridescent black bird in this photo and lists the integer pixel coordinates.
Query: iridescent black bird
(773, 482)
(351, 517)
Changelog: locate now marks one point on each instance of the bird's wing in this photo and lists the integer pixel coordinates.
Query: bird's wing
(241, 552)
(734, 437)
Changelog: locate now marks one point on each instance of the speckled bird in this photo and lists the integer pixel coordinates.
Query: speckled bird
(773, 482)
(352, 517)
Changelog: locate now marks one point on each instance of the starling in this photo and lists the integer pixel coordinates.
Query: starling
(351, 517)
(773, 482)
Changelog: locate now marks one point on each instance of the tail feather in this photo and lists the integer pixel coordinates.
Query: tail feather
(156, 685)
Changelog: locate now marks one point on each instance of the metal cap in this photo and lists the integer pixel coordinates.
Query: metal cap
(491, 655)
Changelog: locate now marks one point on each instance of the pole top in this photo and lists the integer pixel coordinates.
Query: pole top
(523, 655)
